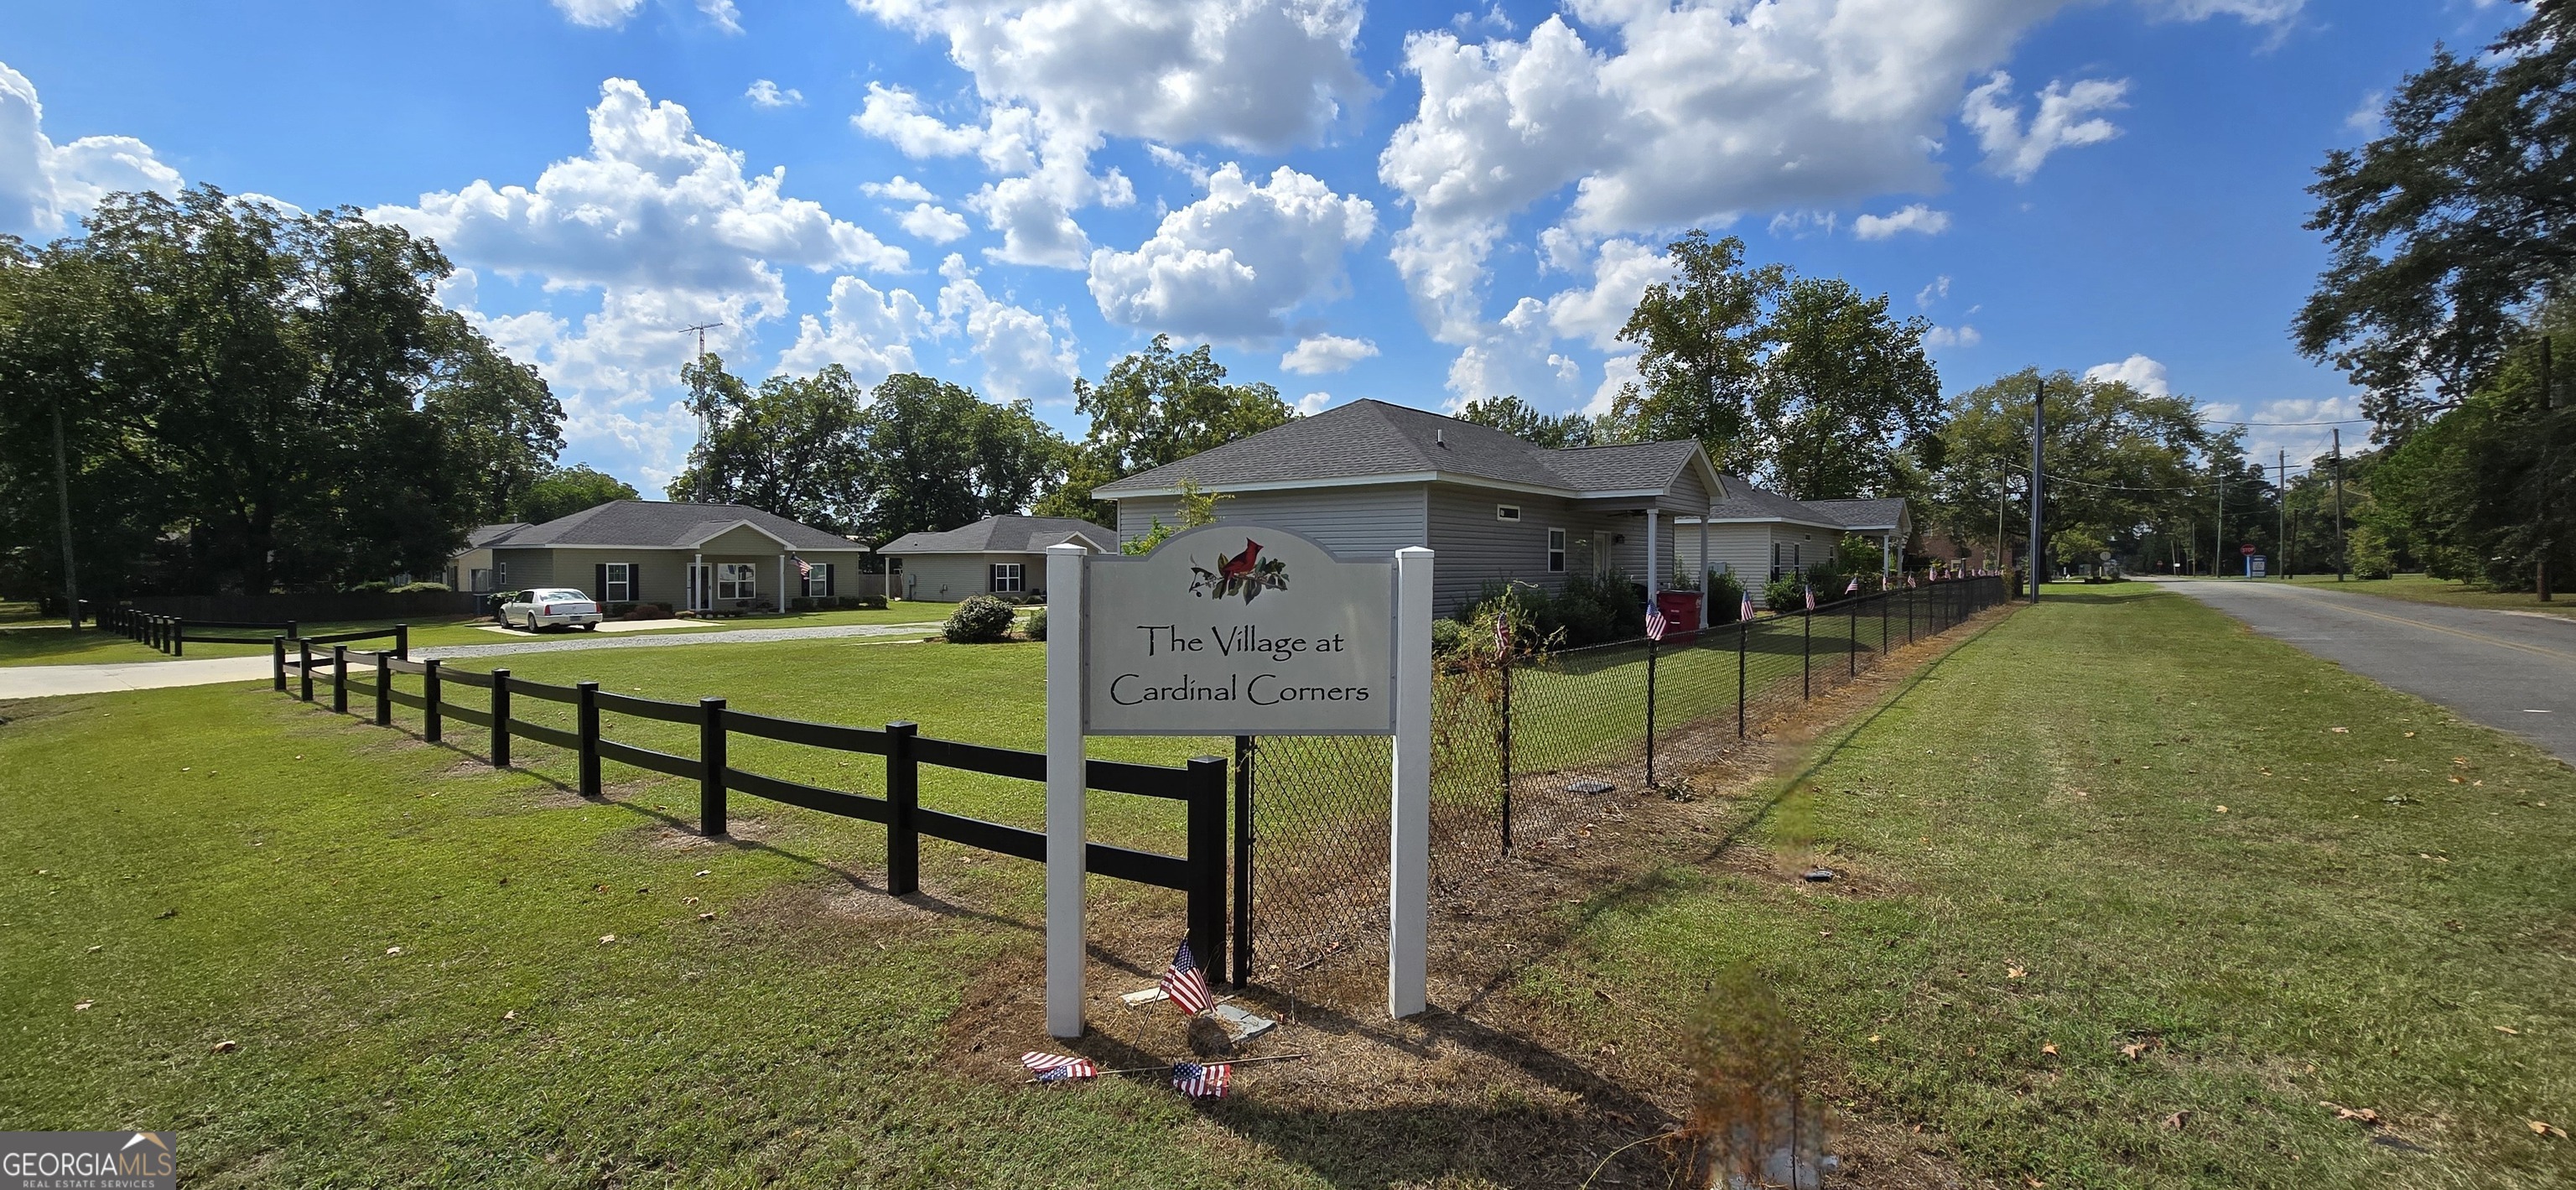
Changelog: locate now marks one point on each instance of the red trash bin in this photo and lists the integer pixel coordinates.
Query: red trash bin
(1680, 608)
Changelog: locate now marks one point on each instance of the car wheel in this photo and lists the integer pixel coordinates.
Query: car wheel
(590, 627)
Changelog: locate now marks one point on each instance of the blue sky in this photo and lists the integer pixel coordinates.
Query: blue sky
(1418, 203)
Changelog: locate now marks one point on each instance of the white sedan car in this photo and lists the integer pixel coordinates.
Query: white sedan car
(550, 607)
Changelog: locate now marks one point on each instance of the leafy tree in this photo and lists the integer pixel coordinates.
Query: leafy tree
(256, 397)
(1154, 407)
(1702, 339)
(2122, 465)
(936, 456)
(791, 447)
(1804, 383)
(567, 490)
(2448, 231)
(2482, 492)
(1519, 419)
(502, 425)
(1197, 508)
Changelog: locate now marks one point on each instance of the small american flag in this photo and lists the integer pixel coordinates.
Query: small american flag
(1502, 635)
(1811, 596)
(804, 569)
(1746, 613)
(1202, 1082)
(1056, 1068)
(1909, 580)
(1852, 587)
(1655, 622)
(1185, 984)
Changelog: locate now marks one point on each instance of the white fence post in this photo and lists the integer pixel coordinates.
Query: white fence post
(1409, 836)
(1065, 790)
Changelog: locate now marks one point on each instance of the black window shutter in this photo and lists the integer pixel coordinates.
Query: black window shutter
(635, 581)
(831, 574)
(599, 587)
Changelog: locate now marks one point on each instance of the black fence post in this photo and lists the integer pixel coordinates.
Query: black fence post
(1244, 749)
(1807, 653)
(1503, 741)
(292, 631)
(384, 689)
(1883, 597)
(430, 728)
(1743, 637)
(903, 796)
(402, 641)
(1909, 611)
(340, 679)
(1207, 862)
(1651, 650)
(277, 663)
(1852, 656)
(711, 767)
(586, 726)
(500, 718)
(178, 637)
(304, 670)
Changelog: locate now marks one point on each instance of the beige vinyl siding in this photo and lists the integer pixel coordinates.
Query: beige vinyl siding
(1371, 520)
(1741, 550)
(662, 575)
(1476, 546)
(947, 578)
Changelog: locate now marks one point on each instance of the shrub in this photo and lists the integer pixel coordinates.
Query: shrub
(641, 611)
(1037, 626)
(408, 588)
(873, 603)
(981, 619)
(1725, 596)
(2368, 554)
(1787, 593)
(1447, 637)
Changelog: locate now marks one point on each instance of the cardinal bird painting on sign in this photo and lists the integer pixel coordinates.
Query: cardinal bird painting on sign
(1247, 572)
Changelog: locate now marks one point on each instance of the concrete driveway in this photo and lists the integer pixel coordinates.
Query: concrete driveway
(2513, 672)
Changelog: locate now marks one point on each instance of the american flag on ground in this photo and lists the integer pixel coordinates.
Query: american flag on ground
(1201, 1082)
(1185, 984)
(1056, 1068)
(1655, 622)
(804, 569)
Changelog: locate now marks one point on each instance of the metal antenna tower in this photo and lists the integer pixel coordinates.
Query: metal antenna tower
(698, 399)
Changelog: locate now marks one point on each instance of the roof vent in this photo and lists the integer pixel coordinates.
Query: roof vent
(1440, 438)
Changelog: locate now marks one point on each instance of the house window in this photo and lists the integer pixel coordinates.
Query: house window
(1006, 578)
(820, 581)
(482, 580)
(1556, 551)
(735, 580)
(619, 585)
(1507, 512)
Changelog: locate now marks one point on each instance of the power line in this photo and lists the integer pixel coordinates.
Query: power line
(2347, 421)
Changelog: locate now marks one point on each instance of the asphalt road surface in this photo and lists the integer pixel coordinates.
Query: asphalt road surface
(2515, 672)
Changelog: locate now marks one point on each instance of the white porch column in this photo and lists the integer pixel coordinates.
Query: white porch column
(781, 599)
(1702, 575)
(699, 599)
(1654, 558)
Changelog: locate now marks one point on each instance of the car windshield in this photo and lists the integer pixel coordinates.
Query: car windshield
(561, 595)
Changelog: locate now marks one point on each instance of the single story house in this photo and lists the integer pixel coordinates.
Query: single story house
(701, 557)
(999, 555)
(1760, 536)
(1368, 478)
(470, 569)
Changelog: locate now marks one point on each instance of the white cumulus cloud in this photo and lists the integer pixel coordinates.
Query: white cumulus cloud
(2064, 121)
(1232, 264)
(1952, 336)
(722, 14)
(1621, 271)
(1914, 217)
(936, 224)
(864, 330)
(764, 93)
(598, 14)
(899, 188)
(46, 188)
(2138, 372)
(1023, 353)
(1319, 354)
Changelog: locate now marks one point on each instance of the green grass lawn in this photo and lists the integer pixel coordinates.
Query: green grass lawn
(2424, 588)
(220, 864)
(2038, 828)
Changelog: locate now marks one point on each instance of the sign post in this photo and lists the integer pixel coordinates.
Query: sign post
(1237, 630)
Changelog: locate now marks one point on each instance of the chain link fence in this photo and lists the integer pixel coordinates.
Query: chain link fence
(1526, 757)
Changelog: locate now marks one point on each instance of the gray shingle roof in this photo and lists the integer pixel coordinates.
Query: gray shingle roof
(1009, 534)
(1370, 438)
(1862, 514)
(485, 535)
(659, 524)
(1745, 502)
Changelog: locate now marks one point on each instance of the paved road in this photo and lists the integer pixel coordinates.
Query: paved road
(2513, 672)
(46, 681)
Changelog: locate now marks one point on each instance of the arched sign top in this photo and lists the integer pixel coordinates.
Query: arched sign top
(1238, 629)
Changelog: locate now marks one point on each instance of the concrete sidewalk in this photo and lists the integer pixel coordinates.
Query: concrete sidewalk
(47, 681)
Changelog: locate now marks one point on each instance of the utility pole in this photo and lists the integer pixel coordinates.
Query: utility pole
(2218, 530)
(63, 494)
(698, 399)
(2038, 479)
(2548, 439)
(2281, 535)
(2338, 485)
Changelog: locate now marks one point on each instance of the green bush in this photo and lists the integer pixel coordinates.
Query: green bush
(1037, 626)
(869, 603)
(408, 588)
(1725, 597)
(1591, 610)
(1787, 593)
(1447, 637)
(981, 619)
(2368, 554)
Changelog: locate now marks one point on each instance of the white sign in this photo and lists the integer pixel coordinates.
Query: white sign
(1238, 630)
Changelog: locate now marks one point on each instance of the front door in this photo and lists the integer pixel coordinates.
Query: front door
(697, 587)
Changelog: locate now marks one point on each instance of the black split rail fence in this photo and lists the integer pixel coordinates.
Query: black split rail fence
(486, 700)
(173, 634)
